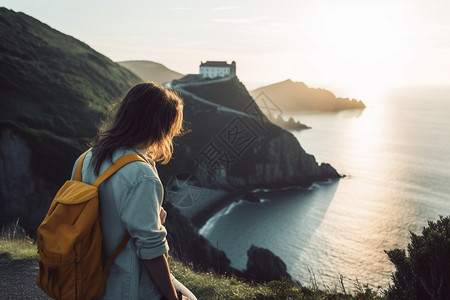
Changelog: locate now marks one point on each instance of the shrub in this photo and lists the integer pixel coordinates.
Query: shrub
(425, 273)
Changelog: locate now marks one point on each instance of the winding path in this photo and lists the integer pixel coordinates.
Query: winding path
(220, 108)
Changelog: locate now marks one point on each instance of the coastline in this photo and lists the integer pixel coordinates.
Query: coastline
(212, 201)
(200, 218)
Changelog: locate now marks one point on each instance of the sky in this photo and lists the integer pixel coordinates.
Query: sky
(351, 47)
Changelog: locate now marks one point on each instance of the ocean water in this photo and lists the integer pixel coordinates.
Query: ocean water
(396, 158)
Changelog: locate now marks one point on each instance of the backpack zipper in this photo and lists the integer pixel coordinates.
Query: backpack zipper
(77, 261)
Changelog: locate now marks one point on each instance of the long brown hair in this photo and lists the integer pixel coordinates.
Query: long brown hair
(149, 115)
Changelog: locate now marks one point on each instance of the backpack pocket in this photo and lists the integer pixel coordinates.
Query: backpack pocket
(58, 274)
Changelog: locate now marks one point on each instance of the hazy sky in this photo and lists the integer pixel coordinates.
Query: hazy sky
(355, 46)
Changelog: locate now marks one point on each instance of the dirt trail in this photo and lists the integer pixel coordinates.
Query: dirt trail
(17, 280)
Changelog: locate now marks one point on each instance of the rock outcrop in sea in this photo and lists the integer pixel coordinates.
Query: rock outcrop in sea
(264, 266)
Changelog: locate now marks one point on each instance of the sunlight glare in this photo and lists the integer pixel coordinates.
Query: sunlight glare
(359, 46)
(362, 36)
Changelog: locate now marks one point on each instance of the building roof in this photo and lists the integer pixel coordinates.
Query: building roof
(223, 64)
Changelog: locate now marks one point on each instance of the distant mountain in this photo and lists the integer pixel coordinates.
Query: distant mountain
(150, 71)
(296, 96)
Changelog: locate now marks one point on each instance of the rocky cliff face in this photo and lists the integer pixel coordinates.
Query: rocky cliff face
(22, 192)
(283, 162)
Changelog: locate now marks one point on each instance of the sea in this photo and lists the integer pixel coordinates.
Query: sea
(395, 156)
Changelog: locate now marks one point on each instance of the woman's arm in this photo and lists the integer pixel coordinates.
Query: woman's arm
(142, 216)
(159, 271)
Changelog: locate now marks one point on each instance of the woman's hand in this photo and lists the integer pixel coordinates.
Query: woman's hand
(163, 216)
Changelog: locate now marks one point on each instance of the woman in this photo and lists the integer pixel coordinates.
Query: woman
(145, 123)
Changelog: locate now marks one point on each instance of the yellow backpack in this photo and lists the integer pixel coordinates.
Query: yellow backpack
(69, 240)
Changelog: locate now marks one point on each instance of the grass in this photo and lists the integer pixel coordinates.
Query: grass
(15, 245)
(212, 286)
(15, 249)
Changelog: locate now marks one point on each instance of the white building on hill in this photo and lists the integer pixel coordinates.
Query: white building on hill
(214, 69)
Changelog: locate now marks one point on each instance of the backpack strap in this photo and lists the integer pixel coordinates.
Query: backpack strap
(116, 252)
(77, 175)
(126, 159)
(116, 166)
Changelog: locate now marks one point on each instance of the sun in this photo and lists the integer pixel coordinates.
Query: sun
(359, 45)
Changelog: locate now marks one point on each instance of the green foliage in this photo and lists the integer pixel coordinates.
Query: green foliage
(424, 274)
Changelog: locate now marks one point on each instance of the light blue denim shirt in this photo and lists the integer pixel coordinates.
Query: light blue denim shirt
(130, 200)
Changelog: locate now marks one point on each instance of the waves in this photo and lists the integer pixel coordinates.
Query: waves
(209, 225)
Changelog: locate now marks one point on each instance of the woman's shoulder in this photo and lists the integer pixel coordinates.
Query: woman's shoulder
(135, 171)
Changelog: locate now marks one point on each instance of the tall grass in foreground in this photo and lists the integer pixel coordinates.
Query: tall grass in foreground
(17, 249)
(15, 244)
(207, 285)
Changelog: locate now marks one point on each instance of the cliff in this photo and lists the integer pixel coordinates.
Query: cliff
(232, 145)
(289, 96)
(22, 192)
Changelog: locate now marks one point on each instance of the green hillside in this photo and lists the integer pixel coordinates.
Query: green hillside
(150, 71)
(53, 89)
